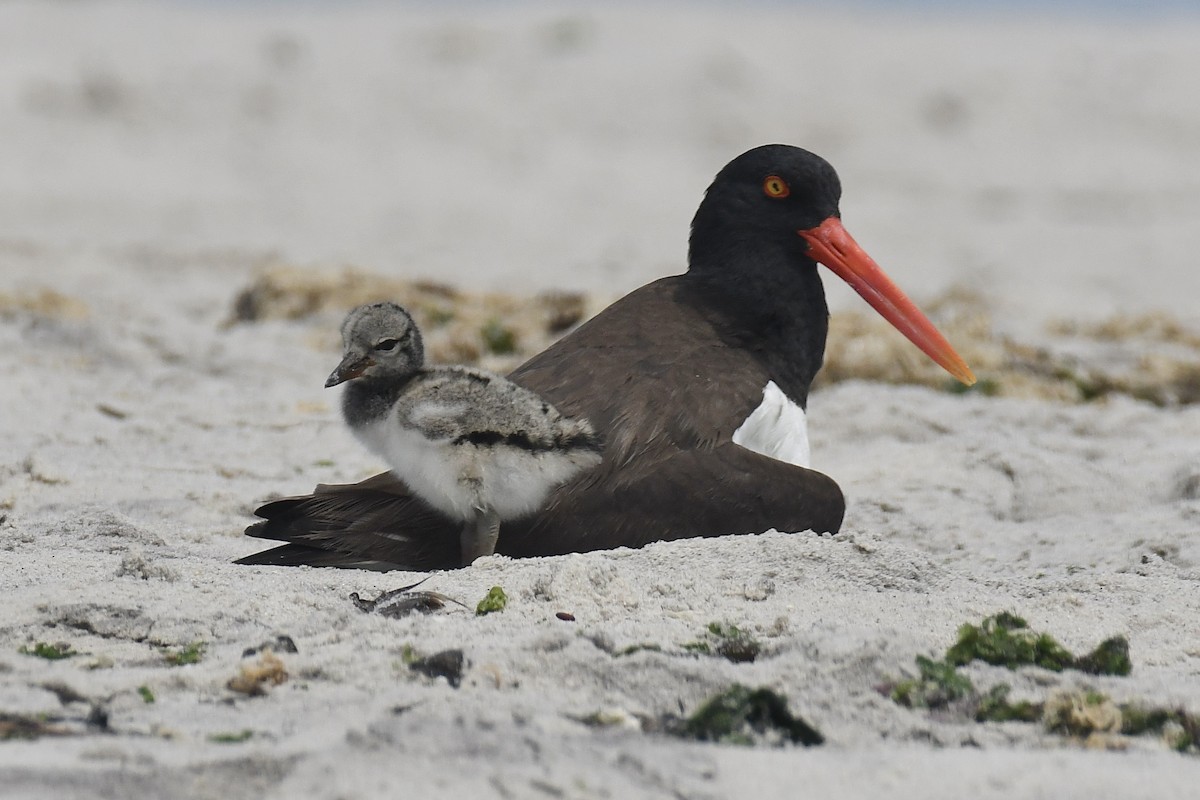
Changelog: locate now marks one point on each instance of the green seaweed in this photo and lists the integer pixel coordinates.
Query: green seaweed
(733, 643)
(728, 641)
(28, 726)
(409, 654)
(937, 685)
(1111, 657)
(189, 654)
(50, 652)
(437, 316)
(231, 737)
(725, 630)
(1005, 640)
(744, 716)
(1178, 727)
(988, 387)
(1089, 388)
(145, 693)
(494, 600)
(498, 339)
(994, 706)
(649, 647)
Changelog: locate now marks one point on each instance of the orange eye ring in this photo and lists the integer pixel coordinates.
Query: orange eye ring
(776, 187)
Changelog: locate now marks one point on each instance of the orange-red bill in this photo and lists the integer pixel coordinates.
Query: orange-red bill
(830, 244)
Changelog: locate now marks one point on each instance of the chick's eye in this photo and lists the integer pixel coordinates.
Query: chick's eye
(775, 187)
(387, 344)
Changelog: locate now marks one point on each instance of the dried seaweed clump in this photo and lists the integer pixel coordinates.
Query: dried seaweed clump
(253, 679)
(494, 330)
(1152, 357)
(46, 303)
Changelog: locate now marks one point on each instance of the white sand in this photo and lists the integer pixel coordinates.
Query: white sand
(153, 157)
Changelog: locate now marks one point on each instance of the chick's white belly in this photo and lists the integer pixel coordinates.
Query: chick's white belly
(461, 479)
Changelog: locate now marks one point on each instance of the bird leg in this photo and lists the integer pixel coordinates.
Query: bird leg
(479, 535)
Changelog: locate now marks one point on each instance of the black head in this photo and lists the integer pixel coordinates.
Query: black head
(379, 341)
(762, 199)
(770, 216)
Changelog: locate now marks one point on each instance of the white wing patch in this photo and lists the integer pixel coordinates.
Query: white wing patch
(777, 429)
(434, 414)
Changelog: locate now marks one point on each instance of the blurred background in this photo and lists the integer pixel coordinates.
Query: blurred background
(1046, 155)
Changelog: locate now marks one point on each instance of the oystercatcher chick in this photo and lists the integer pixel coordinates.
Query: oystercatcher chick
(471, 444)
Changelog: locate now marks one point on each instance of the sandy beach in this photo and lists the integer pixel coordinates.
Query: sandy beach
(1033, 183)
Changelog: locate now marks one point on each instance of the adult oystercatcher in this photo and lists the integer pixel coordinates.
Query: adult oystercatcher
(473, 445)
(697, 384)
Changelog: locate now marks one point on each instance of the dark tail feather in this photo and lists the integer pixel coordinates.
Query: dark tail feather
(371, 525)
(297, 555)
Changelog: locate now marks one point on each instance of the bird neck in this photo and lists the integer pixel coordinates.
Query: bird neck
(770, 301)
(368, 400)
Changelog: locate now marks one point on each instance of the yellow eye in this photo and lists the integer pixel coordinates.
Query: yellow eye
(776, 187)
